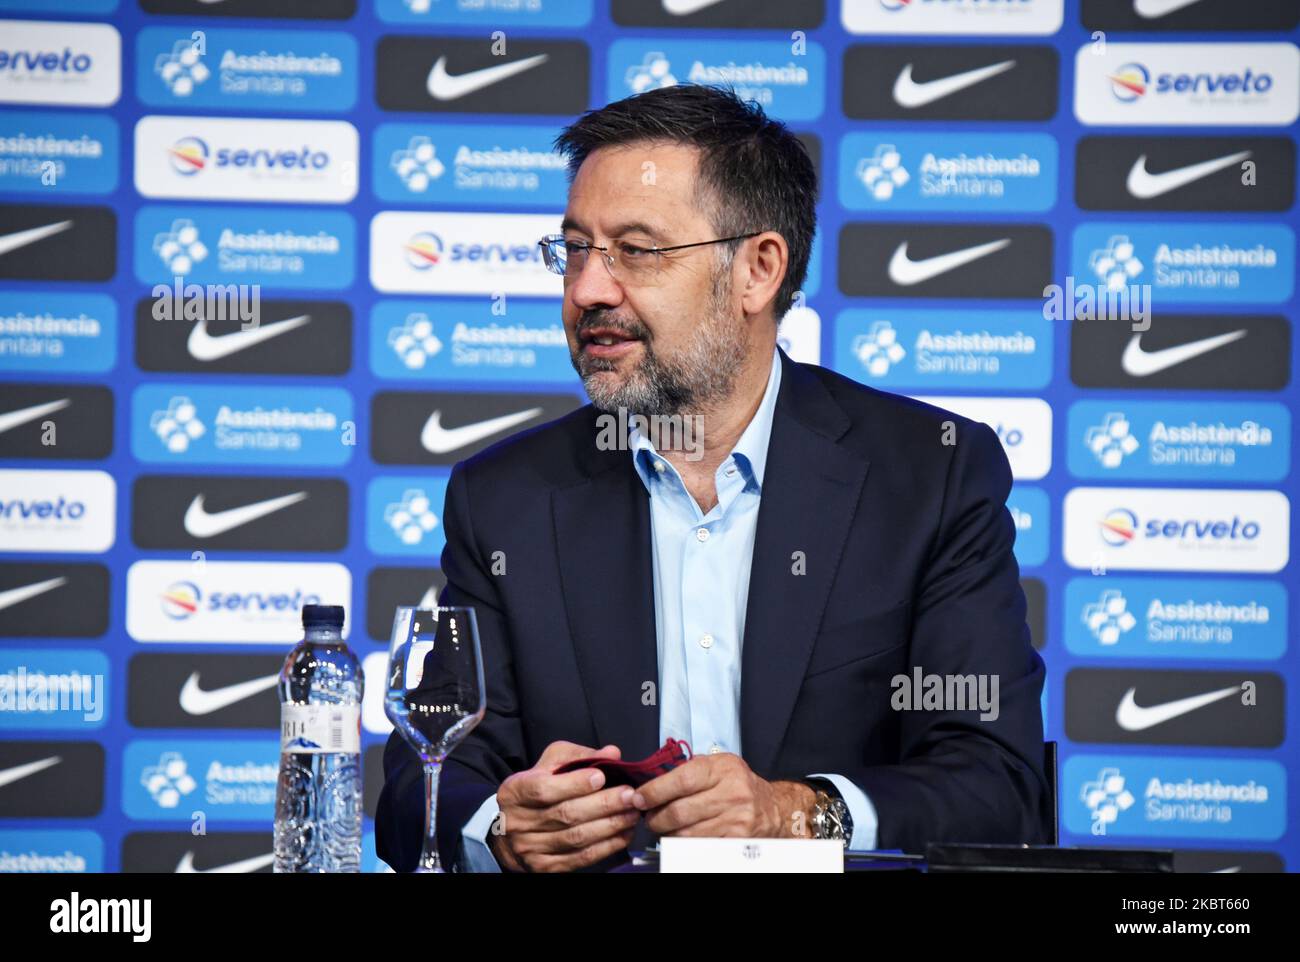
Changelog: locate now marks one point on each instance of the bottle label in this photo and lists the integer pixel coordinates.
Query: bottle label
(320, 729)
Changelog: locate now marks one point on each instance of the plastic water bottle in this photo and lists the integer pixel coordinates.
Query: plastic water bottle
(318, 796)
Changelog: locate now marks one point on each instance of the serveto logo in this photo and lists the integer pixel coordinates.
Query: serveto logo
(423, 250)
(181, 600)
(1172, 796)
(1176, 441)
(764, 71)
(964, 17)
(301, 70)
(57, 511)
(170, 779)
(1177, 618)
(461, 253)
(199, 423)
(246, 159)
(1023, 425)
(1246, 84)
(1176, 529)
(311, 249)
(44, 62)
(1129, 82)
(188, 156)
(1186, 262)
(236, 602)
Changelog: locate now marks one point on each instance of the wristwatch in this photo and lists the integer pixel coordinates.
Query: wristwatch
(831, 818)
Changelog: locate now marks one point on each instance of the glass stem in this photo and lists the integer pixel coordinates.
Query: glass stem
(429, 860)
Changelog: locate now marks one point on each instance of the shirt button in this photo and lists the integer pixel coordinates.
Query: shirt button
(706, 641)
(731, 472)
(659, 466)
(701, 534)
(716, 749)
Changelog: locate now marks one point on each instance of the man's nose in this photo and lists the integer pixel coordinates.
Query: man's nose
(594, 285)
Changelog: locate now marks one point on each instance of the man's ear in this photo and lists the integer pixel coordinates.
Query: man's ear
(764, 260)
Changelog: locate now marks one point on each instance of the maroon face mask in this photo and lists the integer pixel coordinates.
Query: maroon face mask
(668, 757)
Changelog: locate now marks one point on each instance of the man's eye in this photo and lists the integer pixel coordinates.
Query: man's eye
(632, 251)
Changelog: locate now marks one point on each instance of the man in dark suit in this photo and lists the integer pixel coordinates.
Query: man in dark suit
(810, 581)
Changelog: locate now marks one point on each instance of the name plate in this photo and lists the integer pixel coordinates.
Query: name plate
(757, 855)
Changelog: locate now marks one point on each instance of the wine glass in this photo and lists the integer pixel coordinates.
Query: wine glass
(434, 695)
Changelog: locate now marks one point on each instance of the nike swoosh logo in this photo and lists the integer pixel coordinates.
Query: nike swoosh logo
(15, 418)
(1144, 185)
(906, 272)
(14, 595)
(443, 86)
(186, 865)
(910, 94)
(202, 524)
(439, 440)
(11, 242)
(1132, 717)
(10, 775)
(1154, 9)
(684, 8)
(196, 701)
(205, 347)
(1139, 363)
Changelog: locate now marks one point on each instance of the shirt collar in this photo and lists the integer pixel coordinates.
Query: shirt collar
(750, 452)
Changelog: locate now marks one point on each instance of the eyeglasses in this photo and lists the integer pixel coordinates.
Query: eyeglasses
(629, 263)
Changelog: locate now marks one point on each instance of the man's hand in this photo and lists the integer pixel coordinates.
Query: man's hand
(557, 823)
(715, 796)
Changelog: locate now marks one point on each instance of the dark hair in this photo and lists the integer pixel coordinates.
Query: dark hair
(754, 174)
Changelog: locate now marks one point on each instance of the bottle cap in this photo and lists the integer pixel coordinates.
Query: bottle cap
(322, 616)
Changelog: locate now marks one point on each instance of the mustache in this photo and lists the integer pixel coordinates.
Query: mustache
(598, 320)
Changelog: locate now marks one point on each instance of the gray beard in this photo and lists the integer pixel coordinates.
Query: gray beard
(702, 374)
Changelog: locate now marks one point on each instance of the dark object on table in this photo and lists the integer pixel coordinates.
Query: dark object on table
(671, 754)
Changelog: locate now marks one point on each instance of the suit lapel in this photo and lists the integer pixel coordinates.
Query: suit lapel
(811, 487)
(602, 532)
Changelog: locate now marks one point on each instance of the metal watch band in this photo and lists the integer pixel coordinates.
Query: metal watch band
(831, 817)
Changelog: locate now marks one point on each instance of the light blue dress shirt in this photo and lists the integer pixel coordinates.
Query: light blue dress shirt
(701, 587)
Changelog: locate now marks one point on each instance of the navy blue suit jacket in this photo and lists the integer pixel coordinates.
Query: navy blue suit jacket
(883, 543)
